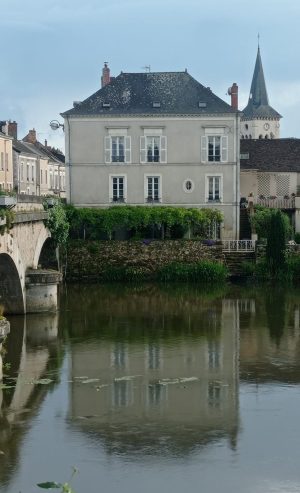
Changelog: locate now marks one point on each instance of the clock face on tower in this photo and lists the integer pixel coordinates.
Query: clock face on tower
(266, 126)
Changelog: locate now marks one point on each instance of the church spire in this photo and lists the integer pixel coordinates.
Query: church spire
(258, 92)
(258, 103)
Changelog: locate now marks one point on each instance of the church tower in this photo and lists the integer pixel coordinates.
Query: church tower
(259, 120)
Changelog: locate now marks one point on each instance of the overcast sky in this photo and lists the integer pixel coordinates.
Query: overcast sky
(53, 51)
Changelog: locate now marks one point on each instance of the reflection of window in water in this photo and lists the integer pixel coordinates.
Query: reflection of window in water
(121, 393)
(156, 393)
(213, 354)
(214, 394)
(119, 355)
(153, 356)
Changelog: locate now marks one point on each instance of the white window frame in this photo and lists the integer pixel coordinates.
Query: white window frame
(162, 158)
(108, 139)
(223, 148)
(207, 177)
(147, 198)
(111, 177)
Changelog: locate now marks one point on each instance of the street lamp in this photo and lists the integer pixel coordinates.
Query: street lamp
(55, 125)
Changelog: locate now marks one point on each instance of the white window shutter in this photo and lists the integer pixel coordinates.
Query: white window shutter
(107, 147)
(204, 151)
(143, 149)
(224, 148)
(163, 149)
(127, 149)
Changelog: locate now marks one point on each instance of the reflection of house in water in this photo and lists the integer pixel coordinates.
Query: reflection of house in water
(29, 346)
(270, 337)
(164, 386)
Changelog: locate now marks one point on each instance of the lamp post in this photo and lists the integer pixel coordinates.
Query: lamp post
(55, 125)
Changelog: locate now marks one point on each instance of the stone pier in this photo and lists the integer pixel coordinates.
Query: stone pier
(41, 290)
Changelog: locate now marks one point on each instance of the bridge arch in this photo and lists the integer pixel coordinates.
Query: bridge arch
(44, 235)
(11, 290)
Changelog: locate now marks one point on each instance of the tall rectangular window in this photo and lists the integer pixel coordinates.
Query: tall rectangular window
(117, 149)
(153, 149)
(214, 186)
(214, 148)
(32, 172)
(153, 186)
(118, 189)
(27, 172)
(41, 176)
(2, 161)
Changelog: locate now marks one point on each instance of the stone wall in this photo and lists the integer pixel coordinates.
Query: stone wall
(88, 259)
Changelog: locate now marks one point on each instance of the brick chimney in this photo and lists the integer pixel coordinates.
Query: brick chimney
(233, 91)
(31, 136)
(105, 79)
(13, 129)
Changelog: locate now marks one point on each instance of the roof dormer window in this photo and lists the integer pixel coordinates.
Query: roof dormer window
(156, 104)
(105, 105)
(201, 104)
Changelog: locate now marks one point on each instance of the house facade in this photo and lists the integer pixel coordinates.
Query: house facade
(6, 159)
(154, 138)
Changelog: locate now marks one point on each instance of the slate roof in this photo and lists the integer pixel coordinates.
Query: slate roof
(24, 148)
(135, 93)
(258, 103)
(273, 155)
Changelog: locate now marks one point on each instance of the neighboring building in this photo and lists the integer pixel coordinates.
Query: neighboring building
(259, 119)
(270, 174)
(52, 168)
(154, 138)
(270, 168)
(6, 158)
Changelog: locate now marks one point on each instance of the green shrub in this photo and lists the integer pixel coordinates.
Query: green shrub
(248, 268)
(202, 272)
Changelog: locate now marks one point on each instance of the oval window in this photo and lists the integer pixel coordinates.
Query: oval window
(188, 185)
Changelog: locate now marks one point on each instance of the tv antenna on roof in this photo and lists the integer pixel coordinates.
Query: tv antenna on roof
(147, 68)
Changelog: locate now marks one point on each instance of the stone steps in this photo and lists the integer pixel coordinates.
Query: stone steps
(234, 262)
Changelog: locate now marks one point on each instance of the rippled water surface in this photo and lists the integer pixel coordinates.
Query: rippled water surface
(155, 388)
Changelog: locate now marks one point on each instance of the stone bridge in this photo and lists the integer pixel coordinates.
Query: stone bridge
(24, 285)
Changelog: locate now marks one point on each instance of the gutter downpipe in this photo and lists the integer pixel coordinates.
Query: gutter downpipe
(69, 160)
(237, 186)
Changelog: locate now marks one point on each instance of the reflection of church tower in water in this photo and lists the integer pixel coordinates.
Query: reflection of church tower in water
(259, 120)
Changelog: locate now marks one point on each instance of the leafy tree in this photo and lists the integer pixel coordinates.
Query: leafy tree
(57, 224)
(276, 242)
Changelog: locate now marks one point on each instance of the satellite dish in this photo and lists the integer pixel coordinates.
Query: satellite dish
(54, 124)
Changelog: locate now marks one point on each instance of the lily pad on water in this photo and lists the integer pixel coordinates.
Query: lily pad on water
(91, 380)
(49, 485)
(42, 381)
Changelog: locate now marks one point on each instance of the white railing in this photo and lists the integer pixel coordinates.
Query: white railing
(238, 245)
(277, 203)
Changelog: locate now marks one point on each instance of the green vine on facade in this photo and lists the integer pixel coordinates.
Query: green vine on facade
(91, 223)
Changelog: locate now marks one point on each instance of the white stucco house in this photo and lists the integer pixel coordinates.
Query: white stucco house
(154, 138)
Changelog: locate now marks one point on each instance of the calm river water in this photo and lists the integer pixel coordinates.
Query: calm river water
(155, 388)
